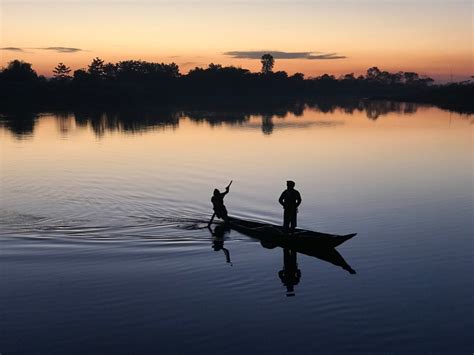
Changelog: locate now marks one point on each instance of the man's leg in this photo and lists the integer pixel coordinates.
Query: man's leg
(225, 215)
(286, 220)
(293, 221)
(210, 221)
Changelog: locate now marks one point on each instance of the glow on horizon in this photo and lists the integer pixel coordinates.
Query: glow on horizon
(430, 37)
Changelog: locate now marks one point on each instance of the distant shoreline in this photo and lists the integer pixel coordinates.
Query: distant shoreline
(232, 102)
(159, 84)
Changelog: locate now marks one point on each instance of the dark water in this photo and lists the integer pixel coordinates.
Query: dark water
(103, 245)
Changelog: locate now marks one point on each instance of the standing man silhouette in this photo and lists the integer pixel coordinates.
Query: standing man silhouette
(290, 199)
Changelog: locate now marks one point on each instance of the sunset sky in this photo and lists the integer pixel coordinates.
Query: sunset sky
(432, 37)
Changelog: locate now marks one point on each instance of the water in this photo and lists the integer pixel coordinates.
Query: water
(104, 246)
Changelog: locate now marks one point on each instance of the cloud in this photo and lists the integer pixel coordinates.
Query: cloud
(62, 49)
(13, 49)
(324, 56)
(56, 49)
(284, 55)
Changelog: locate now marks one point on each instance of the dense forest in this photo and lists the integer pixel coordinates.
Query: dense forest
(140, 82)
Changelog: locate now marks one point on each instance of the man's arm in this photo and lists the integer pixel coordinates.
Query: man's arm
(281, 200)
(298, 199)
(226, 189)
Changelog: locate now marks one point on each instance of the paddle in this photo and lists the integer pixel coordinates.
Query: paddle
(214, 214)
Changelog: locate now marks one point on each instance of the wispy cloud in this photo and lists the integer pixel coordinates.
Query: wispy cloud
(324, 56)
(284, 55)
(62, 49)
(56, 49)
(13, 49)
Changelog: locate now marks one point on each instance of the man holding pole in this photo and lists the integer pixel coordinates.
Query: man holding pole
(218, 204)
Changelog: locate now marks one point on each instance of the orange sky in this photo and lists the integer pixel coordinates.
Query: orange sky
(429, 37)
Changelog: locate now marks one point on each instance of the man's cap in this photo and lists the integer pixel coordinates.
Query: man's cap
(290, 182)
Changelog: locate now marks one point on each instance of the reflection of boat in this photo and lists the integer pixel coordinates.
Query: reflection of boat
(315, 244)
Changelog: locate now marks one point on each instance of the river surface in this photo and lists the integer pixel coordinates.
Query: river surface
(104, 246)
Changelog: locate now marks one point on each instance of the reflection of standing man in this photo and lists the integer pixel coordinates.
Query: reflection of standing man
(290, 275)
(290, 199)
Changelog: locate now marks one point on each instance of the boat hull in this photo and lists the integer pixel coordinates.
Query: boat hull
(276, 234)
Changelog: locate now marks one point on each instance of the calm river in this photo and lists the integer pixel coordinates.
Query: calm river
(104, 245)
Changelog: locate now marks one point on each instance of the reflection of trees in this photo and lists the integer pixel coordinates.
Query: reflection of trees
(20, 124)
(133, 119)
(267, 124)
(65, 122)
(218, 117)
(128, 121)
(298, 109)
(373, 109)
(410, 108)
(240, 114)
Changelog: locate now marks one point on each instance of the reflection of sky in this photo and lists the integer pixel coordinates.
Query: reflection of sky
(397, 158)
(431, 37)
(94, 245)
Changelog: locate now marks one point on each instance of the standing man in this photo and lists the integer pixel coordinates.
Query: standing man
(290, 199)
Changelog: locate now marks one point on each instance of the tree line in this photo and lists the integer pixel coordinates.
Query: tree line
(143, 81)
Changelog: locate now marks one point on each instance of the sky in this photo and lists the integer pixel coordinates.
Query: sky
(431, 37)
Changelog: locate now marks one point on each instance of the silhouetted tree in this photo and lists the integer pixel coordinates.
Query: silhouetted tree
(18, 70)
(426, 80)
(140, 70)
(297, 76)
(110, 71)
(96, 68)
(80, 75)
(373, 73)
(267, 63)
(214, 67)
(410, 77)
(327, 77)
(61, 72)
(347, 77)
